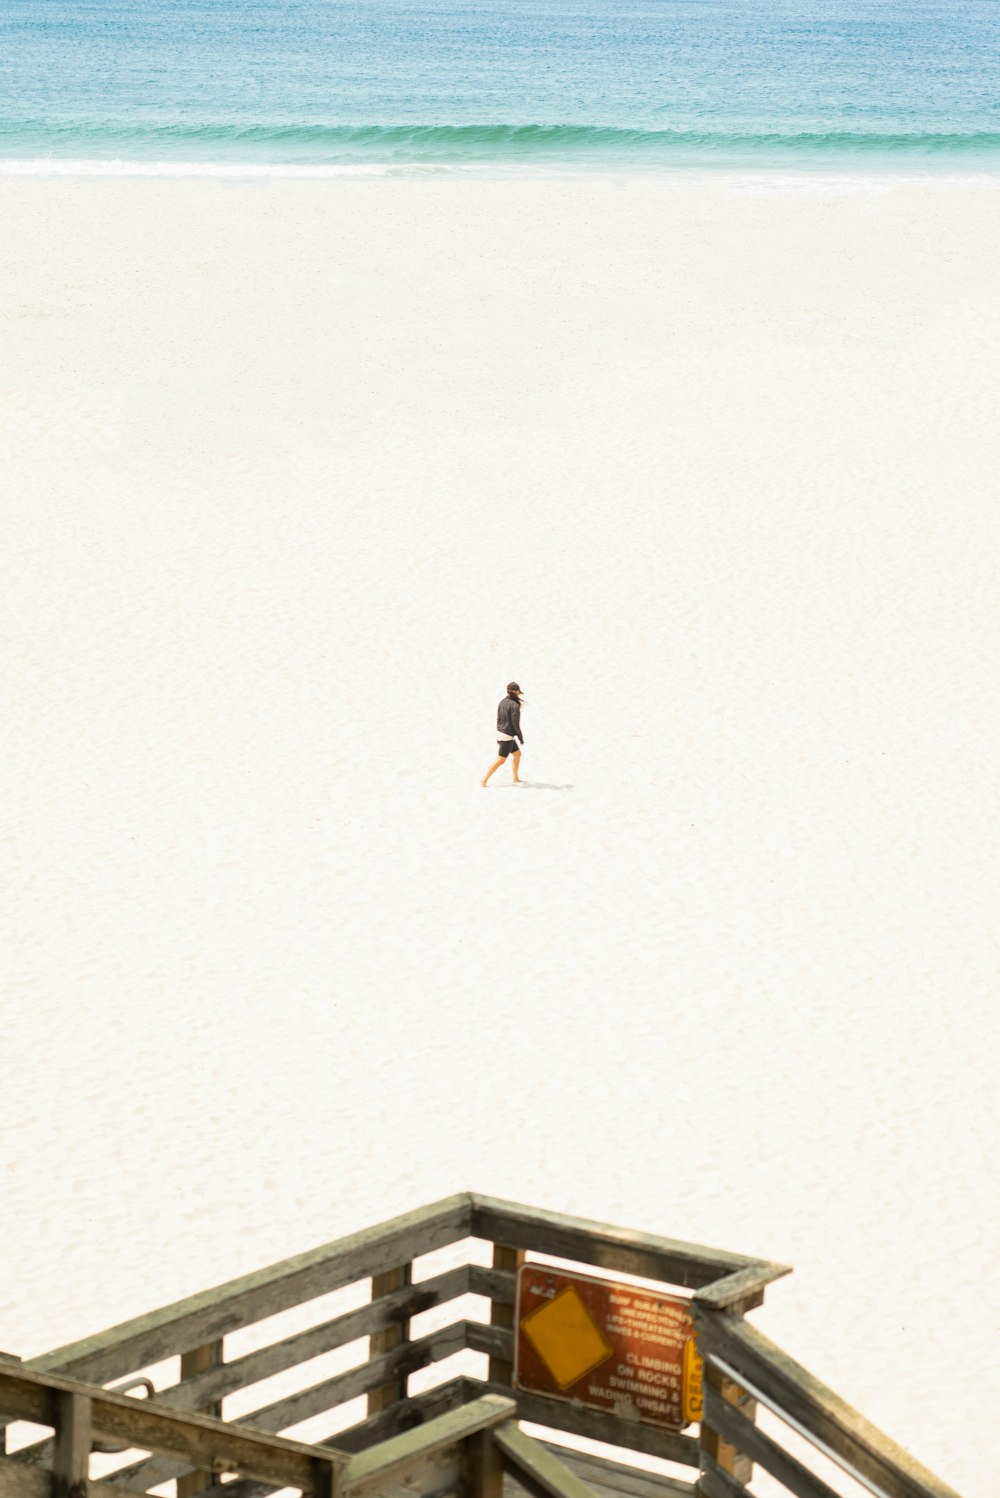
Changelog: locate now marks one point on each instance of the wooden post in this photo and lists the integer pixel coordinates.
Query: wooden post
(326, 1478)
(200, 1360)
(482, 1466)
(71, 1456)
(725, 1455)
(6, 1357)
(394, 1336)
(502, 1371)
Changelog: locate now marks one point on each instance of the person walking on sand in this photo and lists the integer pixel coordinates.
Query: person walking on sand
(508, 732)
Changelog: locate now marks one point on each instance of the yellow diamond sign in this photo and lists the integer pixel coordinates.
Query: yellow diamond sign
(566, 1338)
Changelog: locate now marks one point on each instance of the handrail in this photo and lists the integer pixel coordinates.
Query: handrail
(537, 1469)
(833, 1427)
(199, 1439)
(734, 1427)
(743, 1290)
(226, 1308)
(370, 1468)
(211, 1314)
(669, 1260)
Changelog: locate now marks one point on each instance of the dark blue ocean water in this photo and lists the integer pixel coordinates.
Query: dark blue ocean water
(442, 84)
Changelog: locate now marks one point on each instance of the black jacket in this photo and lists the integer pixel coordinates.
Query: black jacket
(509, 717)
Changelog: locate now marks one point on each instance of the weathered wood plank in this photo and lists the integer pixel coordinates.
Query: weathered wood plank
(670, 1445)
(723, 1453)
(715, 1483)
(759, 1447)
(742, 1291)
(375, 1466)
(537, 1468)
(615, 1480)
(667, 1260)
(24, 1396)
(198, 1440)
(212, 1444)
(393, 1336)
(153, 1471)
(417, 1410)
(497, 1284)
(497, 1341)
(815, 1410)
(439, 1474)
(401, 1362)
(212, 1313)
(577, 1421)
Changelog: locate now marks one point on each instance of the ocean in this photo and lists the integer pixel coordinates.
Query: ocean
(328, 86)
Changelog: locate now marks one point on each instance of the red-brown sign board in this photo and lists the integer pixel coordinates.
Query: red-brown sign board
(610, 1347)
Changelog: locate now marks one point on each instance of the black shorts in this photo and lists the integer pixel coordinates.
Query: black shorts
(508, 746)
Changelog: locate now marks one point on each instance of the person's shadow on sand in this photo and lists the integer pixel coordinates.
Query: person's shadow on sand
(541, 785)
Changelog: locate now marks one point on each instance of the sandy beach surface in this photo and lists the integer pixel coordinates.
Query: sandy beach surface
(296, 476)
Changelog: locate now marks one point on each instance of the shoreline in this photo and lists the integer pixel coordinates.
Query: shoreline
(765, 177)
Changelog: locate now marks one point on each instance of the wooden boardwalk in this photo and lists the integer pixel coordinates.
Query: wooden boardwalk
(459, 1438)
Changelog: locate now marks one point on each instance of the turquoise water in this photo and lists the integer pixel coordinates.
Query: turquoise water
(446, 84)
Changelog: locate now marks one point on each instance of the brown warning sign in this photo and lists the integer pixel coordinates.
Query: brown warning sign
(610, 1347)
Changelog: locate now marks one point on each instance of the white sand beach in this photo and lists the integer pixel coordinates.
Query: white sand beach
(296, 476)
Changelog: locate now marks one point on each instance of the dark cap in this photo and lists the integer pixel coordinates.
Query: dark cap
(512, 686)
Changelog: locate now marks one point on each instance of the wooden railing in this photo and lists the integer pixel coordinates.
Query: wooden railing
(195, 1329)
(464, 1452)
(194, 1333)
(80, 1414)
(744, 1369)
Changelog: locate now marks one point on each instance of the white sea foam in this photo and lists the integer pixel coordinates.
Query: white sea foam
(773, 179)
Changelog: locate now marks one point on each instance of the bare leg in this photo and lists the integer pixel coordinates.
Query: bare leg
(494, 766)
(516, 757)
